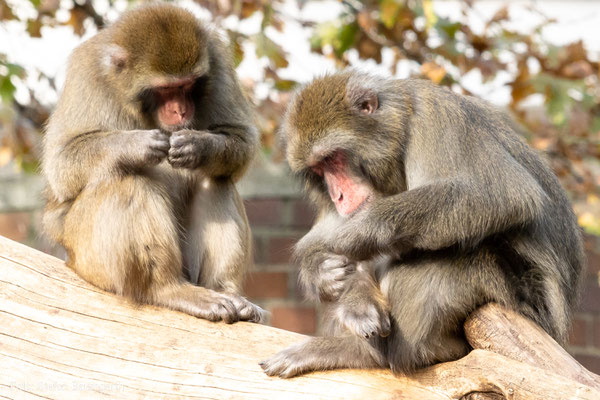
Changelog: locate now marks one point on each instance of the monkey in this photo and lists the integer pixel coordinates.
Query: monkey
(141, 155)
(430, 205)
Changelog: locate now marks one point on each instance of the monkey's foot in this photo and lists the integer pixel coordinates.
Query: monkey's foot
(365, 319)
(289, 362)
(246, 310)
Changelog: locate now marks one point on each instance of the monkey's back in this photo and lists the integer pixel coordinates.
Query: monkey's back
(549, 249)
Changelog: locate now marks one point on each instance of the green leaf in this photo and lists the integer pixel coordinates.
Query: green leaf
(285, 85)
(447, 28)
(7, 89)
(338, 35)
(28, 166)
(265, 47)
(267, 16)
(596, 124)
(345, 38)
(388, 11)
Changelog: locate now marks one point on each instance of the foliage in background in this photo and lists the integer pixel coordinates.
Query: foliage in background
(567, 128)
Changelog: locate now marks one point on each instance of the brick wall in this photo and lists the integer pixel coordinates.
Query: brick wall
(277, 223)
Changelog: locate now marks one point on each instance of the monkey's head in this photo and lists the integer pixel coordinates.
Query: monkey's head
(156, 62)
(343, 136)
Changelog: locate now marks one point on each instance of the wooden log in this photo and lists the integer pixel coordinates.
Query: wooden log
(505, 332)
(61, 338)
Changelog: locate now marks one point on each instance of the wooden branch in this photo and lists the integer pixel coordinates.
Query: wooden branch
(61, 338)
(509, 334)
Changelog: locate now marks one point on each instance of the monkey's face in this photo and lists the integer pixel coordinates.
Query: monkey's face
(157, 61)
(331, 135)
(171, 102)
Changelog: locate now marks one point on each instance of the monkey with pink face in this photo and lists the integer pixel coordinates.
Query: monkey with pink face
(430, 205)
(141, 155)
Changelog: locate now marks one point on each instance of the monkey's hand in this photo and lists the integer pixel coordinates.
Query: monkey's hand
(246, 310)
(363, 310)
(364, 236)
(324, 274)
(144, 147)
(191, 149)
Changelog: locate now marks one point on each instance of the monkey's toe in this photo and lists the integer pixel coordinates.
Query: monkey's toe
(287, 363)
(275, 366)
(367, 321)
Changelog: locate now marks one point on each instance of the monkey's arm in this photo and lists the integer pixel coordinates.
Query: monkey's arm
(438, 215)
(322, 273)
(96, 155)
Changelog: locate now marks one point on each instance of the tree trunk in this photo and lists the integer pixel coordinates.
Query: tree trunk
(61, 338)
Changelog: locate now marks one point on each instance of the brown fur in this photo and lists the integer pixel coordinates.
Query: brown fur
(142, 211)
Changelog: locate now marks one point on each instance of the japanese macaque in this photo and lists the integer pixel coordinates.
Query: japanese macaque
(431, 205)
(141, 155)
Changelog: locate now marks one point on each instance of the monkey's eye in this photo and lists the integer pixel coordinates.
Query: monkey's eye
(317, 169)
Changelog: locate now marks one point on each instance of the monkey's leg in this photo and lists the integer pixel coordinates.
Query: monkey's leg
(121, 236)
(217, 251)
(323, 353)
(430, 299)
(362, 309)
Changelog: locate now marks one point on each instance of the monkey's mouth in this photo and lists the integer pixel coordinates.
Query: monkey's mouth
(347, 196)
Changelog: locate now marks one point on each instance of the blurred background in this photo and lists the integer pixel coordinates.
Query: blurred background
(537, 59)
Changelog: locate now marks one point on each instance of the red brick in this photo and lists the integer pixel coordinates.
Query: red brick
(295, 319)
(258, 249)
(590, 361)
(264, 212)
(591, 242)
(593, 262)
(590, 299)
(596, 333)
(280, 249)
(264, 285)
(578, 335)
(304, 214)
(15, 226)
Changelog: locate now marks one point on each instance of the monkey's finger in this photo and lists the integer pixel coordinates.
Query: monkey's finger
(179, 162)
(385, 323)
(253, 313)
(162, 145)
(180, 139)
(179, 151)
(231, 314)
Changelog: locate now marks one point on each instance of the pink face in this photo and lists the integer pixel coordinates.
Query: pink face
(347, 191)
(175, 105)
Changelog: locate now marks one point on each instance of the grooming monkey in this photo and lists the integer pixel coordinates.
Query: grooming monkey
(141, 155)
(430, 205)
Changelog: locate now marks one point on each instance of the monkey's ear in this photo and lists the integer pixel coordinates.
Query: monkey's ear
(115, 57)
(366, 101)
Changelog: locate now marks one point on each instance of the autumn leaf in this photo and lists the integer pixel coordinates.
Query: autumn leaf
(34, 28)
(500, 15)
(76, 21)
(5, 11)
(5, 155)
(433, 71)
(577, 70)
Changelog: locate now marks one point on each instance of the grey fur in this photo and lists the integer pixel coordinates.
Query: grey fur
(463, 213)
